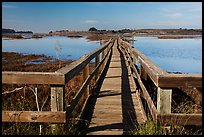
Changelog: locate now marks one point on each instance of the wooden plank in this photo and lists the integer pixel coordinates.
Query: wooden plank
(149, 67)
(15, 77)
(145, 93)
(143, 73)
(97, 60)
(180, 80)
(85, 76)
(57, 104)
(140, 113)
(34, 116)
(117, 106)
(57, 99)
(164, 97)
(180, 119)
(108, 107)
(77, 97)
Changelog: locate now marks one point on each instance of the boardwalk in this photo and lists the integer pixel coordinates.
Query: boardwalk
(114, 112)
(112, 104)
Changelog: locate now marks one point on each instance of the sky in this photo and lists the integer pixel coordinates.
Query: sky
(42, 17)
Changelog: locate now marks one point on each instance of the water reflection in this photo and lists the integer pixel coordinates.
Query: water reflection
(173, 55)
(58, 47)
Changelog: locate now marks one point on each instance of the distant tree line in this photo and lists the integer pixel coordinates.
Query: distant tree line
(13, 31)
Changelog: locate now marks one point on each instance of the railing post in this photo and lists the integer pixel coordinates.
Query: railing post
(135, 59)
(164, 97)
(103, 56)
(143, 74)
(97, 60)
(85, 76)
(57, 104)
(130, 51)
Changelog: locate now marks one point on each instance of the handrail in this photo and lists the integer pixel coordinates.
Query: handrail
(72, 69)
(164, 80)
(76, 98)
(16, 77)
(145, 93)
(61, 76)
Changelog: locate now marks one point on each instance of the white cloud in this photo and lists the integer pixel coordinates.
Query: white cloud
(90, 21)
(173, 15)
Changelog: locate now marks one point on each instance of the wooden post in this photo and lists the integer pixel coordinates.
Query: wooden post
(135, 59)
(85, 76)
(130, 51)
(164, 97)
(143, 74)
(103, 56)
(57, 104)
(97, 60)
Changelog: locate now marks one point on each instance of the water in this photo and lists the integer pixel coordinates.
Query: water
(172, 55)
(58, 47)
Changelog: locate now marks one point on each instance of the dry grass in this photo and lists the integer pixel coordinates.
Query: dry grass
(19, 62)
(99, 37)
(24, 99)
(175, 37)
(13, 36)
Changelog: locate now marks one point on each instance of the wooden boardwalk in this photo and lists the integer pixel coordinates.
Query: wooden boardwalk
(114, 112)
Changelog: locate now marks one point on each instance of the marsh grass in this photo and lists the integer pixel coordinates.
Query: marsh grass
(181, 103)
(150, 127)
(24, 100)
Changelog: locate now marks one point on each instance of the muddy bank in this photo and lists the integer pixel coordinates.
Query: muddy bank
(12, 61)
(178, 37)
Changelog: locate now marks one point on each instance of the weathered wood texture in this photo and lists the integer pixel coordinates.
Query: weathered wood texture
(180, 119)
(118, 106)
(180, 80)
(144, 93)
(114, 112)
(57, 104)
(34, 116)
(15, 77)
(164, 98)
(83, 88)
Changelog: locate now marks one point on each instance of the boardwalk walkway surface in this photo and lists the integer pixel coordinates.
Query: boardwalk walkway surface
(114, 112)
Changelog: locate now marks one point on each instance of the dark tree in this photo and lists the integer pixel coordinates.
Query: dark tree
(8, 31)
(92, 29)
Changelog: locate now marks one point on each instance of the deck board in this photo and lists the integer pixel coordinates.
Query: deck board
(114, 111)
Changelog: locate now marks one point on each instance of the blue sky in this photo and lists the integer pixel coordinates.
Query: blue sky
(42, 17)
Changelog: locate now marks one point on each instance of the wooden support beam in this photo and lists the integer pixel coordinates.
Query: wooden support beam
(143, 73)
(57, 104)
(97, 60)
(180, 119)
(180, 80)
(15, 77)
(85, 76)
(144, 92)
(164, 97)
(34, 116)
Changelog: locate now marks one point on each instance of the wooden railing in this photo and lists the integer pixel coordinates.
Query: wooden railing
(164, 82)
(60, 113)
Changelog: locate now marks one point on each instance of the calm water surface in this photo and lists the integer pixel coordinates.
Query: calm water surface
(173, 55)
(58, 47)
